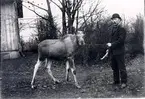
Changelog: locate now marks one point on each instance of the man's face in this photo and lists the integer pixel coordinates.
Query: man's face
(116, 21)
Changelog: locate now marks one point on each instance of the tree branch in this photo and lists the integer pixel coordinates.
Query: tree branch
(57, 5)
(79, 3)
(36, 5)
(91, 13)
(60, 2)
(74, 3)
(36, 13)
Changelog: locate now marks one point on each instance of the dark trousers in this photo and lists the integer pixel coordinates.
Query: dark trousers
(119, 69)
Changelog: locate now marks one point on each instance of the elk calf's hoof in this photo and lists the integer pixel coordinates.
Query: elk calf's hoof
(33, 87)
(67, 79)
(78, 86)
(56, 81)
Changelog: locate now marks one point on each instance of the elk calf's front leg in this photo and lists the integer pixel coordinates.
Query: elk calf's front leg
(67, 71)
(73, 70)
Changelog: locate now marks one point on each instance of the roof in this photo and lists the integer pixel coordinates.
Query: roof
(18, 7)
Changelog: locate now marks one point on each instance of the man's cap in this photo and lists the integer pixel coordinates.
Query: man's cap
(116, 15)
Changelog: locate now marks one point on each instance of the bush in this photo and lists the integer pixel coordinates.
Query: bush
(96, 36)
(135, 38)
(46, 28)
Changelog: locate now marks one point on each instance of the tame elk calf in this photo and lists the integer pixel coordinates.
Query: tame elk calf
(64, 48)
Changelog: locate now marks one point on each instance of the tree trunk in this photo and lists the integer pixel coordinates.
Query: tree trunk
(51, 34)
(77, 21)
(64, 29)
(70, 25)
(49, 8)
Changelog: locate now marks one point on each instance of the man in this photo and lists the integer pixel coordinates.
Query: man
(117, 50)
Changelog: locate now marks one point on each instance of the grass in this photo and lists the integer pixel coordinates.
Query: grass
(94, 80)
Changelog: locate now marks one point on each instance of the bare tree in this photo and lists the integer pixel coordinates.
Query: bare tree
(93, 14)
(51, 31)
(71, 12)
(69, 8)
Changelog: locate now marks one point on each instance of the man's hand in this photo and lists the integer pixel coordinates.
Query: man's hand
(109, 45)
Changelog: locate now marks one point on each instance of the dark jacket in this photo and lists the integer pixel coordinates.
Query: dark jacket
(117, 40)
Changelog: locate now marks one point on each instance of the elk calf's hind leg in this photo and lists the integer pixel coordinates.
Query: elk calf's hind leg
(37, 65)
(50, 72)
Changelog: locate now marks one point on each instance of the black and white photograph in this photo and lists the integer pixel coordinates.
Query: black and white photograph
(72, 49)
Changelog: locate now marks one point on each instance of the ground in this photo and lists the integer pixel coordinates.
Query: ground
(95, 80)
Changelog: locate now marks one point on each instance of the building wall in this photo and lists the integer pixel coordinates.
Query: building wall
(9, 31)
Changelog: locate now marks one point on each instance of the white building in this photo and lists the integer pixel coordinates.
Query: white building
(10, 11)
